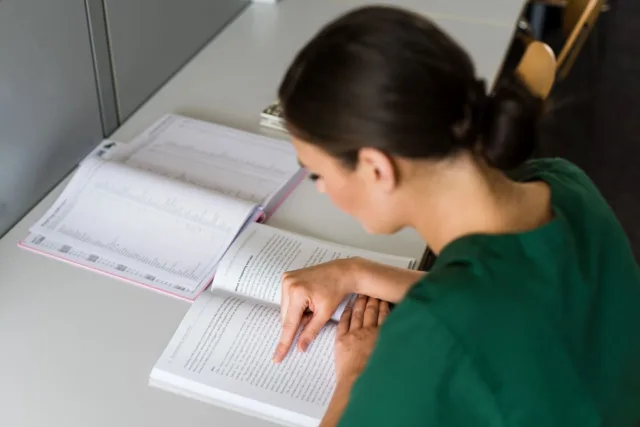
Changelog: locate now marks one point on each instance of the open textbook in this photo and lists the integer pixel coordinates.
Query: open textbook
(162, 210)
(221, 353)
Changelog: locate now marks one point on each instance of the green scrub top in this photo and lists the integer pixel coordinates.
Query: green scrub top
(537, 329)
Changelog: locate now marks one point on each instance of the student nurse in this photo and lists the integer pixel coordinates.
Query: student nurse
(531, 314)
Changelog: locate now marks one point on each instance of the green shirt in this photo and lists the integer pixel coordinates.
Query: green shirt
(537, 329)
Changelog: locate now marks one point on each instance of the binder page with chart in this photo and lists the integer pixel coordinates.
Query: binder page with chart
(239, 164)
(118, 269)
(134, 224)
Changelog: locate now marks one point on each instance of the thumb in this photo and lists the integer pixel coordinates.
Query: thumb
(311, 331)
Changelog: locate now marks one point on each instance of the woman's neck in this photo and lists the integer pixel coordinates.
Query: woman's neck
(466, 197)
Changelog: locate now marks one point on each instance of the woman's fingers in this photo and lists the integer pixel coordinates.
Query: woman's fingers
(371, 313)
(357, 316)
(290, 326)
(345, 321)
(311, 331)
(305, 319)
(383, 312)
(284, 300)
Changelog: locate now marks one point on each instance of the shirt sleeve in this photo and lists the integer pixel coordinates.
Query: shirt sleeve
(418, 375)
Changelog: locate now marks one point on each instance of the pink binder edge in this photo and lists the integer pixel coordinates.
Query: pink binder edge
(114, 276)
(285, 196)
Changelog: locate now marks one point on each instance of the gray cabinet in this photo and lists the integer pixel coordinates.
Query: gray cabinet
(49, 113)
(151, 39)
(71, 71)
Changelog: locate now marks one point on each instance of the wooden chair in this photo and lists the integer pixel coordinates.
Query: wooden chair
(579, 19)
(563, 3)
(537, 69)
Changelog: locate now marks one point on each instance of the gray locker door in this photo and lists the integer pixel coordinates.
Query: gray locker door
(49, 114)
(151, 39)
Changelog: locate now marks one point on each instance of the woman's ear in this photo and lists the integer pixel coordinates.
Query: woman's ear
(376, 167)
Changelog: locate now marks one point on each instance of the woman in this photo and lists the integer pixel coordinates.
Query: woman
(530, 315)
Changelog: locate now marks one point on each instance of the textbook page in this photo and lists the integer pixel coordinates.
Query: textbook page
(229, 161)
(167, 229)
(256, 261)
(222, 352)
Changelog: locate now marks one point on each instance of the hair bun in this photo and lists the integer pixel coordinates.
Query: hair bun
(510, 124)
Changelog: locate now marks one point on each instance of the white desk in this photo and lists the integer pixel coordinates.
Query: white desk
(76, 348)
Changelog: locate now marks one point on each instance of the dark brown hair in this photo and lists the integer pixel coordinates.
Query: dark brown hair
(387, 78)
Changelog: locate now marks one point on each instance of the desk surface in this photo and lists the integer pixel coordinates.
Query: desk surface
(77, 348)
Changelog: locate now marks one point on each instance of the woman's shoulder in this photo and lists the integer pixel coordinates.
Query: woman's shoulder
(589, 218)
(550, 166)
(564, 177)
(569, 183)
(576, 197)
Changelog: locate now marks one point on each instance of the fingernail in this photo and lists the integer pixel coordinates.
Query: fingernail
(304, 345)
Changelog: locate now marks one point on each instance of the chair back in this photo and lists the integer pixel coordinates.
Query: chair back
(579, 18)
(537, 69)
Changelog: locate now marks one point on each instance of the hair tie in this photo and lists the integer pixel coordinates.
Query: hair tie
(479, 96)
(479, 103)
(473, 121)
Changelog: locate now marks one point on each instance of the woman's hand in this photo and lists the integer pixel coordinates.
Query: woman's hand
(318, 289)
(355, 340)
(356, 336)
(321, 288)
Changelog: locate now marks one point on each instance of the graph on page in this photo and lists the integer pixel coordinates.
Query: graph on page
(228, 161)
(185, 270)
(162, 204)
(126, 214)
